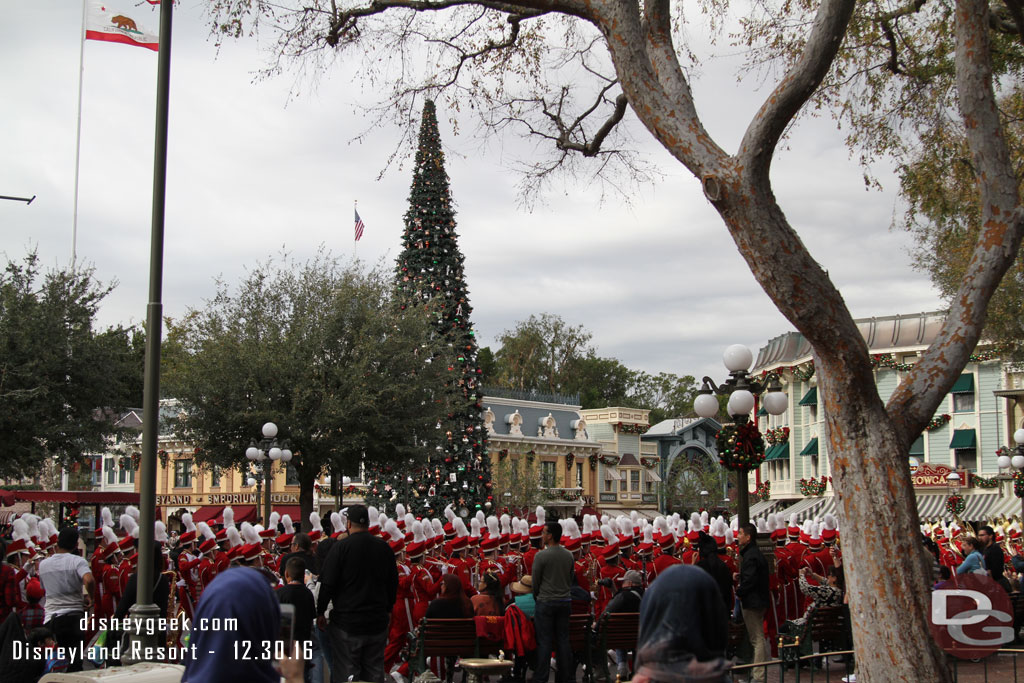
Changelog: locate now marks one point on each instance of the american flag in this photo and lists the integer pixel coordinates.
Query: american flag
(359, 226)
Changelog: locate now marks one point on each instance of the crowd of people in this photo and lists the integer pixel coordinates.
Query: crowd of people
(359, 589)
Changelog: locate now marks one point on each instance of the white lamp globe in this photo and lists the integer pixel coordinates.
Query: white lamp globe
(1018, 462)
(250, 482)
(705, 405)
(737, 357)
(286, 455)
(327, 480)
(741, 402)
(345, 481)
(775, 402)
(270, 430)
(1018, 436)
(275, 453)
(1003, 461)
(252, 453)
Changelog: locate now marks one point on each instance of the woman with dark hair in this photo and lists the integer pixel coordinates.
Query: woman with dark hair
(712, 563)
(452, 603)
(683, 629)
(489, 602)
(974, 561)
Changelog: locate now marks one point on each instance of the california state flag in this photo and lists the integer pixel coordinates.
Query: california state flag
(106, 23)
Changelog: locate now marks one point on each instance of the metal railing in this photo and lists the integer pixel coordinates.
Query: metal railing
(1002, 667)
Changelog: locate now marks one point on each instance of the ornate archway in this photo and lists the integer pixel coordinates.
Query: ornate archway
(692, 470)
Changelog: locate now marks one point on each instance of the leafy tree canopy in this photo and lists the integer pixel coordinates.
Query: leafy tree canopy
(63, 383)
(319, 348)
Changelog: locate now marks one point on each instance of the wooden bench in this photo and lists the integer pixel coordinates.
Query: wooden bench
(451, 639)
(831, 628)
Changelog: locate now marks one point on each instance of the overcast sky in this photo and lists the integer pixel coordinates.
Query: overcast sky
(251, 170)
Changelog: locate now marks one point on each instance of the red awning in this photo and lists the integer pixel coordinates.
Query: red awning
(207, 513)
(243, 513)
(81, 497)
(293, 511)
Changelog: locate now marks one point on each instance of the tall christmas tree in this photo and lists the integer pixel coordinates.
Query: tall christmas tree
(455, 469)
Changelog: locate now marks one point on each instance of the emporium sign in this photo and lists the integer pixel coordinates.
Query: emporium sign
(225, 499)
(929, 476)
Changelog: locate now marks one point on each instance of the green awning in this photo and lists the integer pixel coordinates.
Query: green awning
(810, 398)
(963, 438)
(811, 448)
(917, 448)
(964, 384)
(779, 451)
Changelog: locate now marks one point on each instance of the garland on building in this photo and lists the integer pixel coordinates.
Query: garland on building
(937, 422)
(982, 357)
(802, 373)
(627, 428)
(887, 360)
(454, 469)
(610, 460)
(649, 462)
(593, 461)
(162, 454)
(502, 454)
(763, 491)
(740, 448)
(777, 436)
(133, 461)
(983, 483)
(570, 460)
(814, 486)
(955, 505)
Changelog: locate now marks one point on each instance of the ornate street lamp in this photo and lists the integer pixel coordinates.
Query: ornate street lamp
(743, 392)
(265, 453)
(1005, 461)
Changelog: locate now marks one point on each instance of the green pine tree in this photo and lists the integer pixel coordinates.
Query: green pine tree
(455, 469)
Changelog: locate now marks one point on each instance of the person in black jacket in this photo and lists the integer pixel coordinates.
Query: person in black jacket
(711, 563)
(753, 594)
(360, 579)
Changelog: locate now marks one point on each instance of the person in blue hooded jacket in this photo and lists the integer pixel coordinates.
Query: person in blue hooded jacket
(224, 655)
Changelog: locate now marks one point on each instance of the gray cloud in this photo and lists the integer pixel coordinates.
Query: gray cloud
(659, 283)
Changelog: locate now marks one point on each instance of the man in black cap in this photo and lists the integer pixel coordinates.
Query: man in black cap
(359, 578)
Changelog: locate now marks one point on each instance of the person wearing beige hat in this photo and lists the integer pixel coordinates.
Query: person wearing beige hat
(522, 595)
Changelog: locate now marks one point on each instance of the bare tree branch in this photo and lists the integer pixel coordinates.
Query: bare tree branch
(1002, 228)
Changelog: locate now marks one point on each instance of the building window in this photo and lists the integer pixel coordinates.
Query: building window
(967, 458)
(122, 475)
(608, 487)
(648, 485)
(814, 413)
(623, 484)
(183, 473)
(214, 476)
(634, 481)
(579, 475)
(108, 465)
(291, 475)
(547, 475)
(963, 403)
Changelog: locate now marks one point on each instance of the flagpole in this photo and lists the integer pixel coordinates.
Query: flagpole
(144, 613)
(355, 240)
(78, 138)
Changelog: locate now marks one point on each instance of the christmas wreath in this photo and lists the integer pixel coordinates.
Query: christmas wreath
(1018, 484)
(570, 460)
(937, 422)
(762, 492)
(814, 486)
(955, 505)
(777, 435)
(610, 460)
(648, 462)
(593, 461)
(740, 448)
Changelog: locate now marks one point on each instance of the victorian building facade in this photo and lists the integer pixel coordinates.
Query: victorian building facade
(976, 420)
